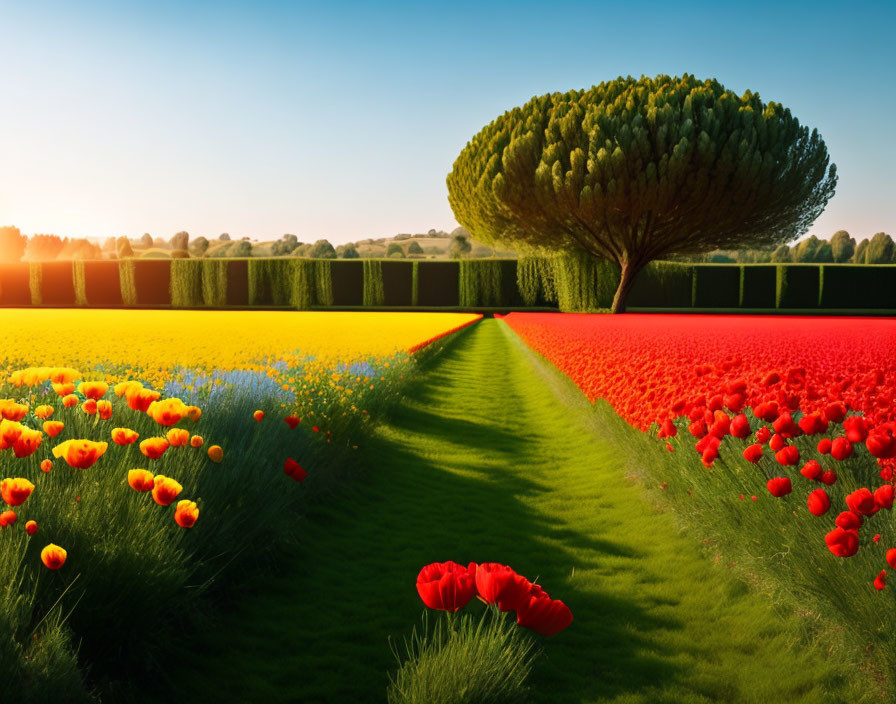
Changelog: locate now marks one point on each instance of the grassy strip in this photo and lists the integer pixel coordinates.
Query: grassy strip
(506, 462)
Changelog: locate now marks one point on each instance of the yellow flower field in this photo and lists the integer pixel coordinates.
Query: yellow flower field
(223, 340)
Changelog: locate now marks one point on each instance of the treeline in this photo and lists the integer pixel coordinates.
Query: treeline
(842, 248)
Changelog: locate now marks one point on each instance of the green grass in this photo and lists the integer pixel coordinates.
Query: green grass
(495, 456)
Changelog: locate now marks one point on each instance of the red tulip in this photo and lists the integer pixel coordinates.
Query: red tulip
(891, 558)
(843, 543)
(835, 412)
(881, 580)
(779, 486)
(883, 496)
(788, 456)
(829, 477)
(753, 453)
(812, 470)
(861, 501)
(740, 426)
(824, 446)
(544, 615)
(855, 428)
(813, 424)
(447, 586)
(818, 502)
(294, 471)
(841, 448)
(763, 435)
(292, 422)
(847, 520)
(499, 584)
(777, 442)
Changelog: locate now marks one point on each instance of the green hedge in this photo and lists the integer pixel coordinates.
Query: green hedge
(102, 283)
(870, 286)
(758, 285)
(663, 285)
(584, 283)
(348, 282)
(716, 286)
(797, 286)
(398, 283)
(186, 283)
(237, 282)
(15, 288)
(438, 283)
(374, 295)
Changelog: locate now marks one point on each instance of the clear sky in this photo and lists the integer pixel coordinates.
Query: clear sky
(341, 120)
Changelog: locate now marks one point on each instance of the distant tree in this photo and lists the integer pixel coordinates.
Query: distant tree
(457, 231)
(160, 243)
(394, 249)
(322, 249)
(349, 252)
(402, 236)
(842, 246)
(634, 170)
(460, 246)
(198, 246)
(109, 244)
(180, 240)
(824, 254)
(881, 249)
(719, 258)
(224, 237)
(78, 249)
(123, 248)
(397, 255)
(285, 245)
(240, 250)
(146, 241)
(781, 255)
(303, 250)
(858, 256)
(180, 254)
(432, 232)
(804, 252)
(12, 244)
(43, 247)
(415, 248)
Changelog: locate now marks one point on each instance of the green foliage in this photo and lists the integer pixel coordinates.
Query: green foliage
(529, 279)
(481, 283)
(584, 283)
(797, 286)
(415, 283)
(128, 281)
(305, 284)
(460, 245)
(415, 248)
(374, 294)
(664, 285)
(881, 250)
(842, 246)
(271, 282)
(80, 282)
(349, 252)
(464, 661)
(322, 249)
(186, 283)
(199, 246)
(214, 282)
(633, 170)
(35, 283)
(323, 282)
(180, 240)
(858, 256)
(394, 249)
(781, 255)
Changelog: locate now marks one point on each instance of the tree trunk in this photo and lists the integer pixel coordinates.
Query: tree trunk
(629, 271)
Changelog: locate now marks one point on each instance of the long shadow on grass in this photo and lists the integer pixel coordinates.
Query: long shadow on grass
(450, 476)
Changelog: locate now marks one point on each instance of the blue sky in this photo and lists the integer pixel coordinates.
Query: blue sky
(341, 120)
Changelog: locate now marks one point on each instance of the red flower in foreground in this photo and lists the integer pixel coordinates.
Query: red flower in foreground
(447, 586)
(779, 486)
(31, 527)
(824, 446)
(788, 456)
(841, 449)
(818, 502)
(849, 520)
(891, 558)
(294, 471)
(292, 421)
(53, 556)
(753, 453)
(861, 501)
(843, 543)
(883, 496)
(544, 615)
(812, 470)
(7, 518)
(499, 584)
(881, 580)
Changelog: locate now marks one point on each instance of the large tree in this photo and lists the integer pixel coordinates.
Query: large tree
(12, 243)
(881, 250)
(842, 246)
(636, 169)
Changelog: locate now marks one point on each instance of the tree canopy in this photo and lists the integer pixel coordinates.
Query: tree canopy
(12, 244)
(635, 169)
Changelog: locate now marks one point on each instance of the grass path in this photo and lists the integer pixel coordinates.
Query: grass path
(492, 458)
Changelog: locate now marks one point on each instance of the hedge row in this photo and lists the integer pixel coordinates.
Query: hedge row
(572, 283)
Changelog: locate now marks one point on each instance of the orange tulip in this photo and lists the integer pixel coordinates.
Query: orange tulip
(165, 490)
(104, 408)
(63, 375)
(10, 410)
(140, 399)
(186, 513)
(46, 466)
(31, 527)
(27, 442)
(167, 412)
(122, 388)
(141, 480)
(89, 407)
(43, 412)
(70, 400)
(80, 454)
(7, 518)
(178, 437)
(258, 415)
(93, 389)
(9, 433)
(64, 389)
(15, 491)
(193, 413)
(124, 436)
(154, 447)
(196, 441)
(215, 453)
(53, 556)
(53, 427)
